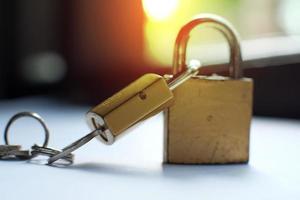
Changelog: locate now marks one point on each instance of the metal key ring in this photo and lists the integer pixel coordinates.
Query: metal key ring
(27, 114)
(37, 150)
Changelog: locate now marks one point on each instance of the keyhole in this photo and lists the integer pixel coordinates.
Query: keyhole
(97, 126)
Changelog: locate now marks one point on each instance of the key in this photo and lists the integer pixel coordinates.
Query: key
(46, 151)
(138, 101)
(7, 149)
(21, 155)
(13, 152)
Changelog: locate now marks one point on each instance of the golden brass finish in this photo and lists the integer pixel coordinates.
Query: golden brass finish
(209, 121)
(129, 106)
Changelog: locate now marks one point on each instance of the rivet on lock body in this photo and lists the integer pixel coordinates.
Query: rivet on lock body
(209, 120)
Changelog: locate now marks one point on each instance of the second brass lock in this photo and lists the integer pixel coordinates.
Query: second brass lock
(141, 99)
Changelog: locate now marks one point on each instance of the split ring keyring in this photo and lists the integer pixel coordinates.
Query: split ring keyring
(37, 150)
(27, 114)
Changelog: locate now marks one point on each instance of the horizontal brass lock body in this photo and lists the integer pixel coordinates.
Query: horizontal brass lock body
(143, 98)
(209, 120)
(128, 106)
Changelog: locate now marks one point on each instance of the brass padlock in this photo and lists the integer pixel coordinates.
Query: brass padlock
(209, 121)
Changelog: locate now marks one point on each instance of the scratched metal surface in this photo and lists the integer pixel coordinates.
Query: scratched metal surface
(132, 167)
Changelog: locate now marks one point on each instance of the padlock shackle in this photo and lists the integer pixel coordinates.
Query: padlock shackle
(219, 24)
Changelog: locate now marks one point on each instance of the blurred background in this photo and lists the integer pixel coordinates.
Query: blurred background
(84, 51)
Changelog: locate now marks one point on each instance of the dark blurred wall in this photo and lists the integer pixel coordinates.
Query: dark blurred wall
(7, 44)
(86, 50)
(31, 50)
(104, 46)
(2, 56)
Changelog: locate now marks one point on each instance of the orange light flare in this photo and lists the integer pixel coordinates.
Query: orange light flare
(159, 10)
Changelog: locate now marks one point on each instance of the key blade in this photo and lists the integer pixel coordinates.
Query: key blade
(72, 147)
(6, 149)
(46, 151)
(192, 70)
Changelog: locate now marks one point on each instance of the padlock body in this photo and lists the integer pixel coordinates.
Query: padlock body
(209, 122)
(129, 106)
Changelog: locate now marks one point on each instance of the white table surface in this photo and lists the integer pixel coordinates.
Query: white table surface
(132, 168)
